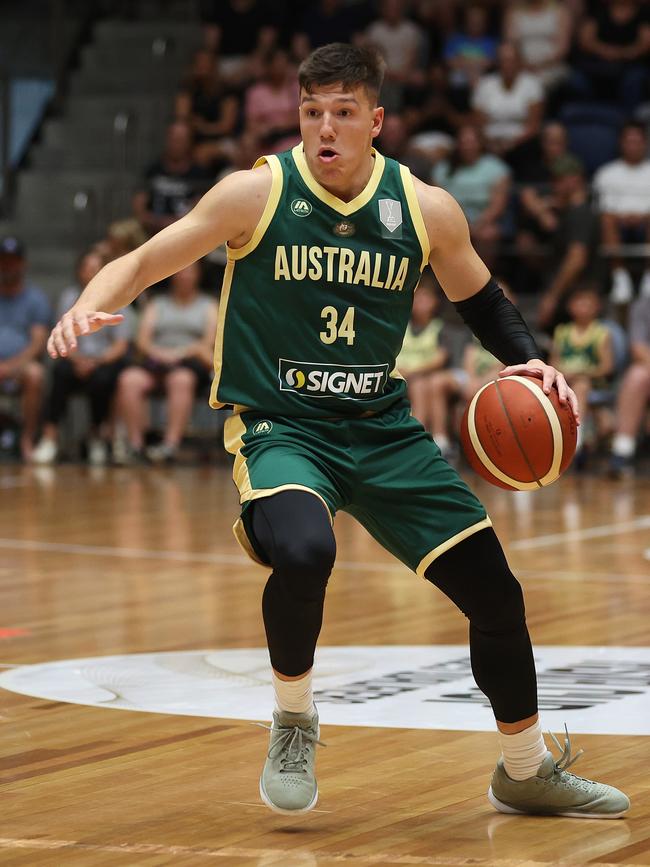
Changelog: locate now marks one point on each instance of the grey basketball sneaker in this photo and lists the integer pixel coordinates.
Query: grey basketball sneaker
(288, 783)
(556, 792)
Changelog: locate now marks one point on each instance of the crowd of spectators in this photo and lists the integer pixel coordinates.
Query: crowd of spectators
(532, 113)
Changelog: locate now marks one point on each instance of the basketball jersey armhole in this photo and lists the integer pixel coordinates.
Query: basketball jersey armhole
(269, 209)
(416, 214)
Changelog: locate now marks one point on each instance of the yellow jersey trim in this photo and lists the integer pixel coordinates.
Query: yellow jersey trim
(445, 546)
(416, 214)
(269, 211)
(215, 403)
(343, 208)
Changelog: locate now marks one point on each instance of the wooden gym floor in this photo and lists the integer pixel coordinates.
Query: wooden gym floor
(125, 561)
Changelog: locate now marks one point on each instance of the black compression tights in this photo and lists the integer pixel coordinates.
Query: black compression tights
(293, 531)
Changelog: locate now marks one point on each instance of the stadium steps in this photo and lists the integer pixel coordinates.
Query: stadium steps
(88, 162)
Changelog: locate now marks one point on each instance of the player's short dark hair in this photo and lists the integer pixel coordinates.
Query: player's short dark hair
(345, 64)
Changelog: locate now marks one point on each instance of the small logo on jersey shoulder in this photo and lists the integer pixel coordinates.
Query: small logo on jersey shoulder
(263, 427)
(301, 208)
(344, 229)
(390, 214)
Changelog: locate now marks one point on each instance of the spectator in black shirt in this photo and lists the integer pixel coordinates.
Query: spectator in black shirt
(614, 43)
(573, 240)
(172, 185)
(209, 106)
(241, 31)
(327, 21)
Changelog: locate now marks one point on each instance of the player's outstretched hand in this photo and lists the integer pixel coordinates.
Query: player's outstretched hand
(551, 378)
(63, 338)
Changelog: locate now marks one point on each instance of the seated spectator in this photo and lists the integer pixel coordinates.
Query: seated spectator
(633, 395)
(468, 55)
(173, 184)
(402, 45)
(93, 370)
(241, 32)
(423, 350)
(271, 109)
(123, 236)
(25, 318)
(541, 30)
(573, 240)
(553, 143)
(209, 106)
(622, 188)
(480, 183)
(582, 350)
(509, 105)
(176, 341)
(614, 42)
(537, 221)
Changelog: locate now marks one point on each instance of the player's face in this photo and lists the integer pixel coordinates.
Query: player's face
(338, 126)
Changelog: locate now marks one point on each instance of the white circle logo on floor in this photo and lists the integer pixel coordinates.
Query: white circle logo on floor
(595, 690)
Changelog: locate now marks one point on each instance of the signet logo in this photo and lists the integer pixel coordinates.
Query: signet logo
(263, 427)
(300, 208)
(390, 214)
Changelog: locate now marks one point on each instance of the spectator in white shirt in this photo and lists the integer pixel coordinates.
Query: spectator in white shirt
(402, 44)
(622, 188)
(509, 105)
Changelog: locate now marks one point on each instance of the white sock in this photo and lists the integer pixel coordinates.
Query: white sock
(295, 696)
(524, 752)
(623, 445)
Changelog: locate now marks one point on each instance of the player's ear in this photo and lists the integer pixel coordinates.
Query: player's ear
(377, 120)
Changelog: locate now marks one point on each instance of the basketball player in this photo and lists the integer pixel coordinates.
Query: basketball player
(326, 244)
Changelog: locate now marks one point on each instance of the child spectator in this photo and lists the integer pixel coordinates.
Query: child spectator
(176, 341)
(423, 350)
(582, 350)
(93, 369)
(622, 188)
(24, 321)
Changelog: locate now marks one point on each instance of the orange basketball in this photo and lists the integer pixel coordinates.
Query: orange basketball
(517, 437)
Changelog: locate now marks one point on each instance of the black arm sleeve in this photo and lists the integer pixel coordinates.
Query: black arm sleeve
(498, 325)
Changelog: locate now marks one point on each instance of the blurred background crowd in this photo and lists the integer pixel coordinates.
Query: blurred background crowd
(533, 114)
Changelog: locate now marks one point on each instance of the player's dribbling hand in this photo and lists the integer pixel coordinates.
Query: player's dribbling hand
(550, 378)
(63, 337)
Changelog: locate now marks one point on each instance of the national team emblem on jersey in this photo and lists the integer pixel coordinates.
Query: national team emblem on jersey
(390, 214)
(344, 229)
(300, 208)
(263, 427)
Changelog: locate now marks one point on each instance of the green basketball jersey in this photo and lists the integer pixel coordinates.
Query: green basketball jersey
(314, 307)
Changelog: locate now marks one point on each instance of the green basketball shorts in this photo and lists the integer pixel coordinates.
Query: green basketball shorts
(384, 470)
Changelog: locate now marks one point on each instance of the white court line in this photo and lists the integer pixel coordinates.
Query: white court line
(176, 556)
(640, 523)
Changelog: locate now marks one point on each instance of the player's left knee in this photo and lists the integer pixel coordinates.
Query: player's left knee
(505, 612)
